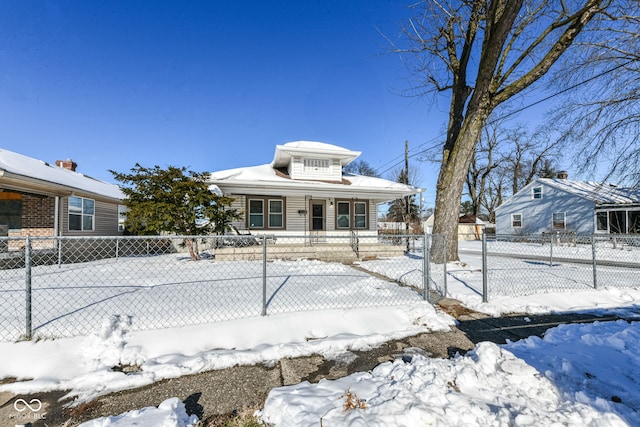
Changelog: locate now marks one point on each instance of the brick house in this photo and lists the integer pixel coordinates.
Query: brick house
(39, 199)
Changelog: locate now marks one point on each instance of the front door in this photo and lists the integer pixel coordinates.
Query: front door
(317, 216)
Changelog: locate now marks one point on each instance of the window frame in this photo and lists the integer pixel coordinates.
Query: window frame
(363, 215)
(554, 221)
(271, 213)
(83, 212)
(537, 192)
(352, 215)
(513, 220)
(266, 212)
(12, 209)
(601, 214)
(339, 215)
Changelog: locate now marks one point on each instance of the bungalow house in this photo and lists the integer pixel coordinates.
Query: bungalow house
(304, 193)
(39, 199)
(582, 207)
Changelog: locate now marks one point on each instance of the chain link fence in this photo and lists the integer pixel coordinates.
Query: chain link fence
(517, 265)
(68, 286)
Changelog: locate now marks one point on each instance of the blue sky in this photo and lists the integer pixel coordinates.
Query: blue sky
(209, 85)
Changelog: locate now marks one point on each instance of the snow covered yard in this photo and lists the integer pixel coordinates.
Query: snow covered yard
(170, 290)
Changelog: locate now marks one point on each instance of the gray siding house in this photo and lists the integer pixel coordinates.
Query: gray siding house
(39, 199)
(561, 205)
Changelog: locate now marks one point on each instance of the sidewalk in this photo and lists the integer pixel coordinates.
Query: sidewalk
(214, 395)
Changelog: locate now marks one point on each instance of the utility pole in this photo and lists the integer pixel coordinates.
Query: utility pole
(407, 198)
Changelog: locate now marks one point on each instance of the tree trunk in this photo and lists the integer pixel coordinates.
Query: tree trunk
(451, 180)
(192, 245)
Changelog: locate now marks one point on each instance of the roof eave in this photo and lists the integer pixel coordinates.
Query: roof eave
(23, 183)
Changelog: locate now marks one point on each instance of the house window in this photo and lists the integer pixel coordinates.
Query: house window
(11, 209)
(360, 215)
(81, 214)
(256, 213)
(602, 221)
(276, 214)
(343, 219)
(516, 220)
(351, 214)
(558, 221)
(266, 213)
(536, 193)
(316, 165)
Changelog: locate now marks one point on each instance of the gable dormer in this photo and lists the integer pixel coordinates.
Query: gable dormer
(315, 161)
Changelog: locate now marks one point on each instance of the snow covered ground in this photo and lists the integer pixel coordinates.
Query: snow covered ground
(576, 375)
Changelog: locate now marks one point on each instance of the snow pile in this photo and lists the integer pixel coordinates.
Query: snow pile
(170, 413)
(89, 366)
(577, 375)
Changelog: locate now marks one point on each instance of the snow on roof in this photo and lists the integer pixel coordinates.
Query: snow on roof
(266, 175)
(600, 193)
(284, 152)
(29, 167)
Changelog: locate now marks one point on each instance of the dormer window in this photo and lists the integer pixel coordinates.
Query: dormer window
(316, 165)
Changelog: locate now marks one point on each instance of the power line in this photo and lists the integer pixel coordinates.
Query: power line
(511, 113)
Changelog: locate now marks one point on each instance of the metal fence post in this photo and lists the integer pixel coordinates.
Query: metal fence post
(59, 251)
(264, 276)
(485, 284)
(550, 250)
(27, 265)
(593, 258)
(117, 247)
(426, 269)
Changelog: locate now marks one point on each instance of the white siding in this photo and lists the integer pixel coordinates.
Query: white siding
(239, 205)
(296, 221)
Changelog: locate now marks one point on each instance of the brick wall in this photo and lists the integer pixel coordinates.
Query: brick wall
(37, 212)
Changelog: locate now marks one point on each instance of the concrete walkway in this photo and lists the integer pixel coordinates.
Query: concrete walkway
(215, 395)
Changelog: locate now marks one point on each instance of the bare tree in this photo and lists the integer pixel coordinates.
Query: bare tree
(486, 160)
(483, 53)
(601, 112)
(529, 154)
(360, 167)
(506, 159)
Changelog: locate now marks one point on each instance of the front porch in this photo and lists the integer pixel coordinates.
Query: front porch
(331, 250)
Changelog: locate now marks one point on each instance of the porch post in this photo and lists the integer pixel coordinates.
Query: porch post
(56, 216)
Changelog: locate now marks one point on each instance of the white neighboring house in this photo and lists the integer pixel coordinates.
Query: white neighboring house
(304, 192)
(561, 205)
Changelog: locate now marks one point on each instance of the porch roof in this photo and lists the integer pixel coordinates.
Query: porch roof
(264, 179)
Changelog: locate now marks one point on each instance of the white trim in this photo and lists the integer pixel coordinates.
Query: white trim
(521, 220)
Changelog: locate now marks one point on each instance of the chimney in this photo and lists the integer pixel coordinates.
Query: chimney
(67, 164)
(562, 175)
